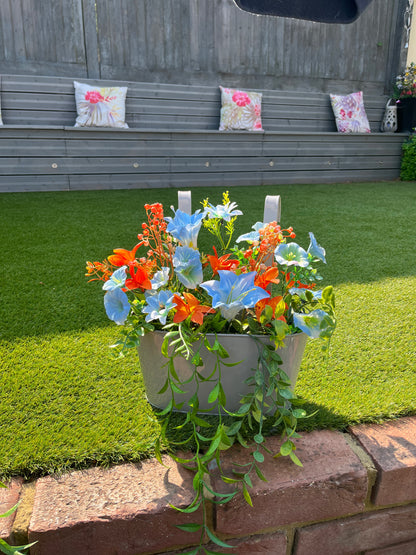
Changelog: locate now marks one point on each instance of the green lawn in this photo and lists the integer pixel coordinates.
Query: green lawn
(65, 402)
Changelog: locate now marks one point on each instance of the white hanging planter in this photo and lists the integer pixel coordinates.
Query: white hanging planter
(240, 347)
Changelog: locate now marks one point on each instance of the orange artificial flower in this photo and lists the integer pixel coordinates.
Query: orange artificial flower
(139, 279)
(190, 307)
(100, 269)
(122, 257)
(221, 263)
(269, 276)
(273, 302)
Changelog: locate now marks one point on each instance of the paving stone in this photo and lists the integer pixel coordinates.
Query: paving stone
(332, 483)
(392, 446)
(123, 510)
(407, 548)
(8, 498)
(359, 533)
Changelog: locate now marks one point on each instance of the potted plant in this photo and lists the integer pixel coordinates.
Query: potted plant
(405, 95)
(219, 333)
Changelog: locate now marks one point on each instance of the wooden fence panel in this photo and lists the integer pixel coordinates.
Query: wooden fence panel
(199, 42)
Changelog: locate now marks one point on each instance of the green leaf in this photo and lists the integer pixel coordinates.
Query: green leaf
(212, 448)
(175, 388)
(197, 360)
(190, 509)
(234, 428)
(229, 364)
(213, 396)
(164, 388)
(164, 348)
(247, 480)
(299, 413)
(10, 511)
(286, 393)
(200, 421)
(216, 540)
(258, 438)
(221, 396)
(192, 527)
(295, 459)
(222, 351)
(13, 550)
(167, 409)
(172, 370)
(229, 480)
(286, 448)
(259, 457)
(244, 408)
(246, 496)
(258, 472)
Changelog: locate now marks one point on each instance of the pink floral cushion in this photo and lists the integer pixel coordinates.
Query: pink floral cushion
(240, 110)
(349, 113)
(100, 106)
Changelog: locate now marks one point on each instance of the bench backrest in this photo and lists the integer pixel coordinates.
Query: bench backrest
(46, 101)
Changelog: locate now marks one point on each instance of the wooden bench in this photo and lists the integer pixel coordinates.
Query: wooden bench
(173, 140)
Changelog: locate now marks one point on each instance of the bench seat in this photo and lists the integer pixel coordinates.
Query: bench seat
(173, 140)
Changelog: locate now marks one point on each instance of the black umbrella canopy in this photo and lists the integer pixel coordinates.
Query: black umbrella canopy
(324, 11)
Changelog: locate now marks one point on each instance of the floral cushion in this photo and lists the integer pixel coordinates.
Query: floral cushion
(100, 106)
(349, 113)
(240, 110)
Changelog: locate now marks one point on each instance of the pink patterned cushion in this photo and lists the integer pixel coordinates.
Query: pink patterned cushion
(100, 106)
(349, 113)
(240, 110)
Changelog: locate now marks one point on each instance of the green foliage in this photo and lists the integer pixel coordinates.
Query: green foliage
(408, 162)
(270, 399)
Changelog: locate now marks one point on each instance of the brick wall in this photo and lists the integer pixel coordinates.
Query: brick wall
(356, 494)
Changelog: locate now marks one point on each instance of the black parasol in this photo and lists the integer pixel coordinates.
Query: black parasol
(325, 11)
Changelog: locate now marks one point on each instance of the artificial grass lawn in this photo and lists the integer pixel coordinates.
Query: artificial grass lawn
(66, 403)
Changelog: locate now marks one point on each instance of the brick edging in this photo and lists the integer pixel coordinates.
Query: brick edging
(343, 500)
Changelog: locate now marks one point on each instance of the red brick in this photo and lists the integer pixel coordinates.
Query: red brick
(332, 483)
(8, 498)
(392, 446)
(359, 533)
(407, 548)
(123, 510)
(269, 544)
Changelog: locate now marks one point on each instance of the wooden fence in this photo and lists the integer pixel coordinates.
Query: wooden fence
(200, 42)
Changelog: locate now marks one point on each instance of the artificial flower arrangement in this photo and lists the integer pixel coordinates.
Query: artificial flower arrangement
(263, 287)
(405, 85)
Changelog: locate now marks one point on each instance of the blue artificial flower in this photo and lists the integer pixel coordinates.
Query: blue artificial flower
(160, 278)
(222, 211)
(188, 267)
(158, 305)
(117, 305)
(232, 293)
(316, 250)
(291, 254)
(117, 280)
(253, 235)
(310, 323)
(185, 228)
